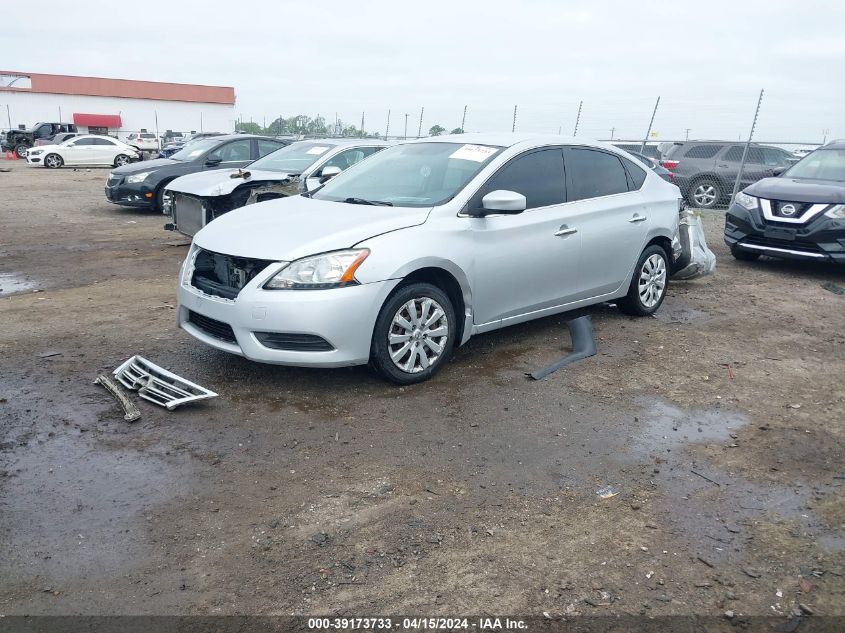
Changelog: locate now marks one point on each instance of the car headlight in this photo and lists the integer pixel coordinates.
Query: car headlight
(746, 201)
(317, 272)
(34, 152)
(837, 212)
(139, 177)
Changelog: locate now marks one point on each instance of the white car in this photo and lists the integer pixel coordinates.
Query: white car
(143, 141)
(88, 149)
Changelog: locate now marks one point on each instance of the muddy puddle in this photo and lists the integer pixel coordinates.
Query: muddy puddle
(15, 283)
(72, 508)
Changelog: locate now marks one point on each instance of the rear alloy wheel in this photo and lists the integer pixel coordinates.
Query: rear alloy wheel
(121, 159)
(414, 334)
(648, 285)
(53, 161)
(705, 194)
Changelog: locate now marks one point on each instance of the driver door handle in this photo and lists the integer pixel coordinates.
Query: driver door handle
(637, 218)
(564, 231)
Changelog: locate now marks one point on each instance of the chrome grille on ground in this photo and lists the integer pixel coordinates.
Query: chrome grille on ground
(212, 327)
(294, 342)
(224, 275)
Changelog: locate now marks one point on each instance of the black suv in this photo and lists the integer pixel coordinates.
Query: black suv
(19, 141)
(705, 171)
(799, 215)
(142, 184)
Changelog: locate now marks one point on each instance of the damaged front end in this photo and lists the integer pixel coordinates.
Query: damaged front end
(692, 258)
(190, 212)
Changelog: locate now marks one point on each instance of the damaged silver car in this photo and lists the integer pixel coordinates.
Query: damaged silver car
(194, 200)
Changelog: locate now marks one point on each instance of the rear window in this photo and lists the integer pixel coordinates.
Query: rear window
(636, 173)
(592, 174)
(703, 151)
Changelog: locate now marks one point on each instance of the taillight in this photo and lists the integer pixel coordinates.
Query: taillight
(671, 176)
(669, 164)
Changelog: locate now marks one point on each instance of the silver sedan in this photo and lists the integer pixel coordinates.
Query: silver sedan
(408, 254)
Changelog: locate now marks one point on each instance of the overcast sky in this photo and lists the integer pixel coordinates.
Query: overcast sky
(707, 60)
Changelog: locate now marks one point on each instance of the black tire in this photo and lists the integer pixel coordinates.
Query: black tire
(53, 161)
(158, 199)
(744, 256)
(381, 347)
(705, 193)
(121, 159)
(20, 150)
(633, 303)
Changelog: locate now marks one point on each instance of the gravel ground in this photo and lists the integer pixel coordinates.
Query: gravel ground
(719, 422)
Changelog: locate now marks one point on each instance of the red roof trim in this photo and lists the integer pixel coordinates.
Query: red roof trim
(97, 120)
(126, 88)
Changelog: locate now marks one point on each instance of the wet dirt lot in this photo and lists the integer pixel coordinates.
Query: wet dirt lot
(719, 423)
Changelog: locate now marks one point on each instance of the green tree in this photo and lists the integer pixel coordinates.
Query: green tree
(436, 130)
(249, 127)
(457, 130)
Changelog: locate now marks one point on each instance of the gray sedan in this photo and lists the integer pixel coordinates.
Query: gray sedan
(408, 254)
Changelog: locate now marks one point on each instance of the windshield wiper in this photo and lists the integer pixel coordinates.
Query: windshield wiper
(377, 203)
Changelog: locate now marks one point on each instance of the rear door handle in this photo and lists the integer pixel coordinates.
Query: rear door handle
(565, 230)
(637, 218)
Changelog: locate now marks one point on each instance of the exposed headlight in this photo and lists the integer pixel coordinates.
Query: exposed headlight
(139, 177)
(746, 201)
(329, 270)
(836, 211)
(34, 152)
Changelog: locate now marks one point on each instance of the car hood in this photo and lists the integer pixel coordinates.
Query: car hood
(289, 228)
(145, 165)
(219, 182)
(798, 190)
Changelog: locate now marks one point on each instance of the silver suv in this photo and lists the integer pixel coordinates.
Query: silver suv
(406, 255)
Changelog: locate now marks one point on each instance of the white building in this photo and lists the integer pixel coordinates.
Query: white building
(116, 107)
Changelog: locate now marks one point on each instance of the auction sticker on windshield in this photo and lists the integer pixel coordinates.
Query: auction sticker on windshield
(319, 149)
(477, 153)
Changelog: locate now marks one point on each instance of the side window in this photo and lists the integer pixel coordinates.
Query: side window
(734, 155)
(349, 157)
(592, 174)
(703, 151)
(774, 157)
(265, 147)
(103, 141)
(636, 173)
(84, 141)
(234, 152)
(538, 176)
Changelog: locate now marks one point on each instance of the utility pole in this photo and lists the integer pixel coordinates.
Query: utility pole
(577, 119)
(419, 131)
(687, 132)
(650, 123)
(824, 136)
(612, 132)
(464, 120)
(747, 145)
(387, 129)
(362, 124)
(406, 126)
(513, 127)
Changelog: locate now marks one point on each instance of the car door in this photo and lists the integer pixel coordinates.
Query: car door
(609, 212)
(236, 153)
(104, 151)
(753, 170)
(79, 152)
(525, 262)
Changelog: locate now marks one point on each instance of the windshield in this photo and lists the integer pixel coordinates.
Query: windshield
(195, 148)
(823, 164)
(294, 158)
(411, 175)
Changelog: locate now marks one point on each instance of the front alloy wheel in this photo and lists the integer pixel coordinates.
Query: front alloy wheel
(414, 333)
(53, 161)
(648, 286)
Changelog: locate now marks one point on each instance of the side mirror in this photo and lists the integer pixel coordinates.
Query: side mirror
(328, 173)
(213, 161)
(503, 201)
(777, 171)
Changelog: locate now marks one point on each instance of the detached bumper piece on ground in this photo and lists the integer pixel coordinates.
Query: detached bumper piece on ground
(158, 385)
(583, 346)
(130, 411)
